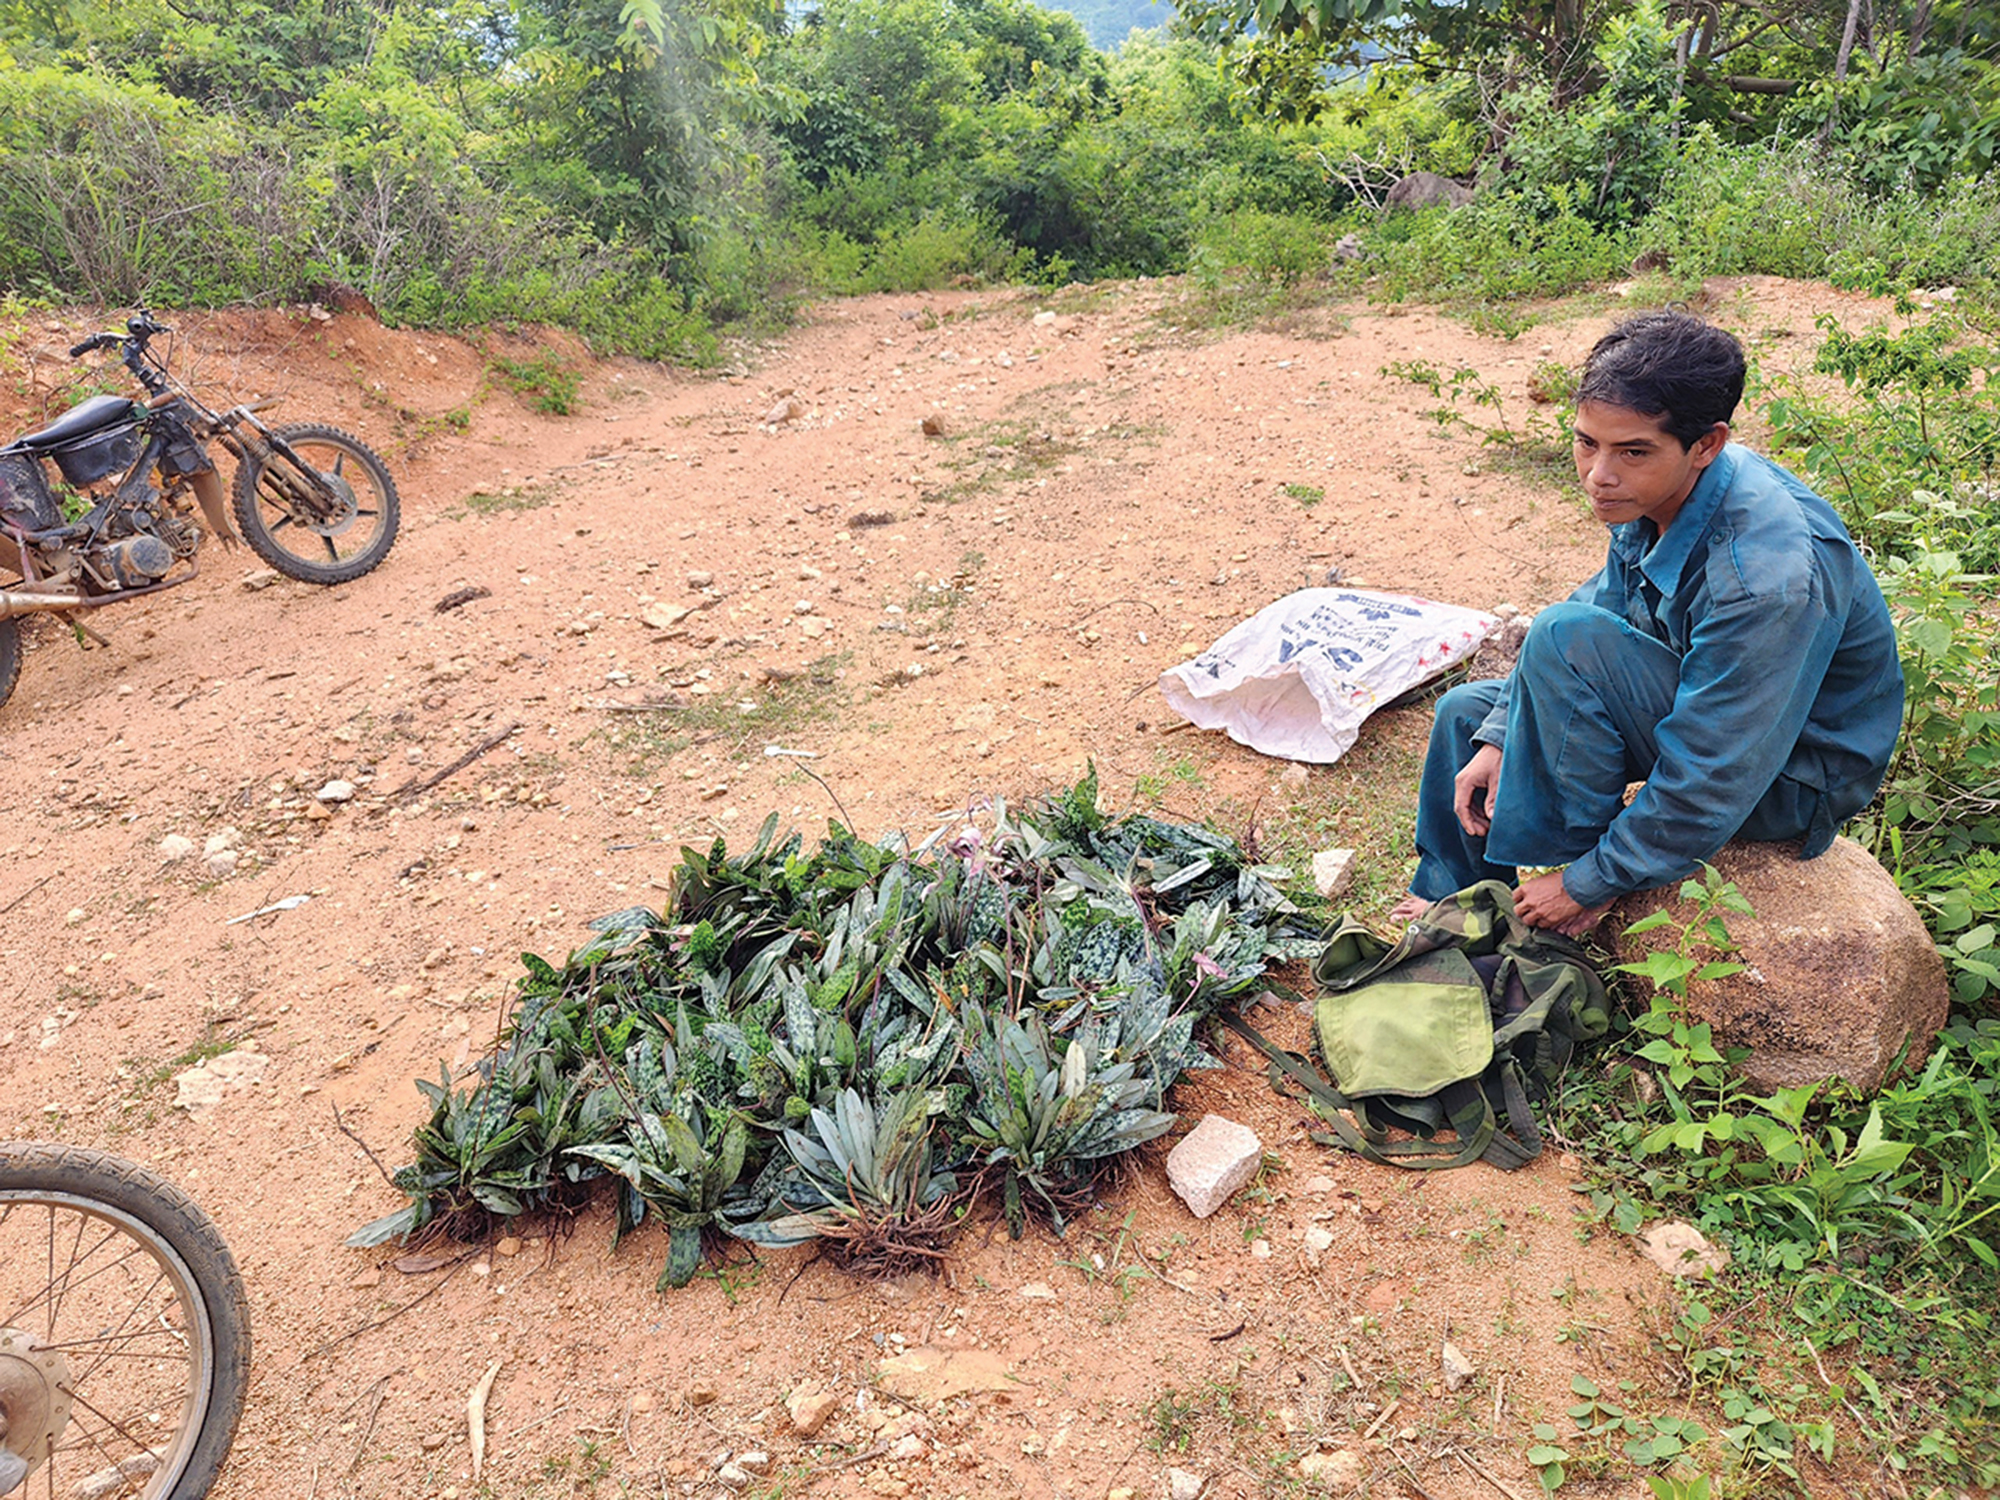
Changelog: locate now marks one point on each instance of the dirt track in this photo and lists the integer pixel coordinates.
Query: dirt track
(937, 618)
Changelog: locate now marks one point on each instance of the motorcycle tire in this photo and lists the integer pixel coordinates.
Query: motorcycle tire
(121, 1312)
(10, 657)
(274, 506)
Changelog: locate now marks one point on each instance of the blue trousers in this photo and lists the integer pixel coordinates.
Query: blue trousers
(1585, 700)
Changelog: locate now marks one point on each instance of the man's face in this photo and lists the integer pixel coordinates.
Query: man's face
(1631, 467)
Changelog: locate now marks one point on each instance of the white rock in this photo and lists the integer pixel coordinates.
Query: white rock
(262, 578)
(1339, 1471)
(1043, 320)
(222, 862)
(175, 847)
(336, 791)
(1211, 1162)
(1457, 1368)
(1181, 1485)
(734, 1476)
(756, 1461)
(662, 616)
(1040, 1291)
(1681, 1250)
(1318, 1241)
(1333, 872)
(221, 839)
(210, 1083)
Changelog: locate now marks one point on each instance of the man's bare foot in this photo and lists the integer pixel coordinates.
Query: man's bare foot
(1408, 909)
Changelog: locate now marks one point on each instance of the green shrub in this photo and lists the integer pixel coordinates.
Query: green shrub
(1275, 249)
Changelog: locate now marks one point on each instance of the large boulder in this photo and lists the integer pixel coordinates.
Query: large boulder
(1426, 190)
(1840, 971)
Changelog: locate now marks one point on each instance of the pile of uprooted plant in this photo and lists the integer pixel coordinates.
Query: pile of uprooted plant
(850, 1045)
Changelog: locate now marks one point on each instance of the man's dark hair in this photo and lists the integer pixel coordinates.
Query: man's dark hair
(1670, 366)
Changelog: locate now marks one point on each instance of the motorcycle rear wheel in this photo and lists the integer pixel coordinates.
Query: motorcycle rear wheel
(10, 657)
(124, 1332)
(329, 525)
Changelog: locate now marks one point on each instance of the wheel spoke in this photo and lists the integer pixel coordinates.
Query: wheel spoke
(332, 552)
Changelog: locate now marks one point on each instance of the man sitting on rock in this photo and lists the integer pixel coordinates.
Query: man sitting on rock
(1734, 654)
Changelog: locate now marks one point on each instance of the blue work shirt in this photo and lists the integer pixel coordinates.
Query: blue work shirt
(1788, 669)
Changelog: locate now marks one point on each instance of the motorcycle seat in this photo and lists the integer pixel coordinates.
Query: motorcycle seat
(79, 421)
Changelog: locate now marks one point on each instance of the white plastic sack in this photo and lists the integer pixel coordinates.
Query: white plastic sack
(1297, 678)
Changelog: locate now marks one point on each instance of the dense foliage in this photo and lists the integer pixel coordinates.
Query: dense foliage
(649, 172)
(843, 1044)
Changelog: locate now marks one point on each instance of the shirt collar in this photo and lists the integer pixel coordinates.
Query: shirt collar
(1664, 561)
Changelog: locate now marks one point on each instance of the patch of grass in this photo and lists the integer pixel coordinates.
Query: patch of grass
(1001, 453)
(551, 384)
(733, 721)
(506, 499)
(1308, 495)
(149, 1075)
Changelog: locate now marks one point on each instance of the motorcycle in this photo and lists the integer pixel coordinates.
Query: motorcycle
(316, 503)
(124, 1331)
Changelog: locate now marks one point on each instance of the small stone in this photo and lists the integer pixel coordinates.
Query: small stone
(262, 578)
(175, 847)
(1333, 872)
(336, 791)
(75, 916)
(787, 410)
(701, 578)
(1039, 1291)
(221, 839)
(432, 1441)
(882, 1482)
(1318, 1241)
(734, 1476)
(1044, 319)
(510, 1246)
(1339, 1471)
(1211, 1162)
(908, 1449)
(1320, 1184)
(1181, 1485)
(662, 616)
(812, 627)
(318, 812)
(701, 1393)
(756, 1461)
(1457, 1368)
(1260, 1249)
(368, 1278)
(934, 426)
(1680, 1249)
(809, 1408)
(222, 863)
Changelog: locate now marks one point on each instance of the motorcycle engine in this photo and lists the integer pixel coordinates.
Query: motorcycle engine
(137, 561)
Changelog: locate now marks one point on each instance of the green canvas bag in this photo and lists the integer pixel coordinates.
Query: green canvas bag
(1461, 1025)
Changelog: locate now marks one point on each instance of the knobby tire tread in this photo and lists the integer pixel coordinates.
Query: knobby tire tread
(31, 1167)
(10, 657)
(250, 517)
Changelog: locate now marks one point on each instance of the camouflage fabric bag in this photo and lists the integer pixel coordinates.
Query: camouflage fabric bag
(1462, 1025)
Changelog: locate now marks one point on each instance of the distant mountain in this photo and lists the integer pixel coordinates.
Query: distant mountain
(1109, 22)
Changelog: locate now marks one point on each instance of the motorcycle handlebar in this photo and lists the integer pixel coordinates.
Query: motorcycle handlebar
(90, 345)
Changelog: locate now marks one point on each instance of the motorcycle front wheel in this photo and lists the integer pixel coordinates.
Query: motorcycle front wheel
(124, 1334)
(330, 522)
(10, 657)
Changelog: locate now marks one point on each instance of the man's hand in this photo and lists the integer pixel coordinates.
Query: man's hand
(1473, 789)
(1542, 902)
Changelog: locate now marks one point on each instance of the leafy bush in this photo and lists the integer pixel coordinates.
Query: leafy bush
(1280, 250)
